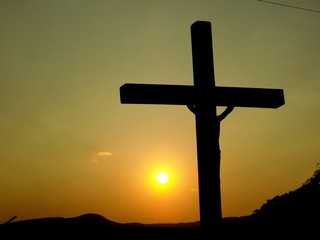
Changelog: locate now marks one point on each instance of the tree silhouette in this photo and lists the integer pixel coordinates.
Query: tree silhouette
(300, 207)
(315, 178)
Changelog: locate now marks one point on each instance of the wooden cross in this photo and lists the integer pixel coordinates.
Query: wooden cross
(204, 97)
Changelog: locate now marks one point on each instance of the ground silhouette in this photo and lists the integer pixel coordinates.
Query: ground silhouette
(292, 214)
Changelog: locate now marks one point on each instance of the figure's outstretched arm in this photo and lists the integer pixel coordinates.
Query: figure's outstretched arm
(225, 113)
(222, 116)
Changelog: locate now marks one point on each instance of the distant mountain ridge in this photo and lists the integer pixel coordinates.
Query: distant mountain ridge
(97, 219)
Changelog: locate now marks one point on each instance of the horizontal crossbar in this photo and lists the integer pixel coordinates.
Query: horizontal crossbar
(131, 93)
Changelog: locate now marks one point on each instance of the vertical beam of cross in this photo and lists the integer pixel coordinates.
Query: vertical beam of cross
(206, 125)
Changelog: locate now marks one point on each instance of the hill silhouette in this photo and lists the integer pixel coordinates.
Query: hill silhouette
(293, 213)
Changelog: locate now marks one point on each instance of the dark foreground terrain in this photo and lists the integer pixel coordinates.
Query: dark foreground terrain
(295, 214)
(94, 226)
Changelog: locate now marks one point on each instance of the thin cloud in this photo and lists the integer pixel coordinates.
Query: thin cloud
(100, 155)
(104, 154)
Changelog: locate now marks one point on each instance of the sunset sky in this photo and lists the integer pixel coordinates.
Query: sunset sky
(69, 147)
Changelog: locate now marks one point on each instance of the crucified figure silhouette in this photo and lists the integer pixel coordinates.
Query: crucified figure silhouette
(220, 117)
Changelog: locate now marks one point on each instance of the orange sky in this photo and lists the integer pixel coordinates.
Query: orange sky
(69, 147)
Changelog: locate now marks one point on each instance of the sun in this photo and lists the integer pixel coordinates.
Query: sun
(162, 178)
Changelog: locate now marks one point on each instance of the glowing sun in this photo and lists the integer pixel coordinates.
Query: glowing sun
(162, 178)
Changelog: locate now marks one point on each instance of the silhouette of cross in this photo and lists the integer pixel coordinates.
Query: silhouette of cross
(203, 98)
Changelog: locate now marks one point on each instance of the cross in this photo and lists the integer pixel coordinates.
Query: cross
(203, 98)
